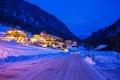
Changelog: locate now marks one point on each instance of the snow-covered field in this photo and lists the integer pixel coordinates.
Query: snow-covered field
(11, 51)
(106, 63)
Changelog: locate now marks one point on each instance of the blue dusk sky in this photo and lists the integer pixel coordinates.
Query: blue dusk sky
(82, 17)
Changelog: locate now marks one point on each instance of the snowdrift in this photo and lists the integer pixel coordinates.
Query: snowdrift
(11, 51)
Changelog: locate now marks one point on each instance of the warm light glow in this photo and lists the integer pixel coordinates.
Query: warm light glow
(43, 39)
(7, 38)
(46, 40)
(19, 36)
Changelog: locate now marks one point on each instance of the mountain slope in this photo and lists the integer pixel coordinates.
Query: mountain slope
(31, 18)
(109, 35)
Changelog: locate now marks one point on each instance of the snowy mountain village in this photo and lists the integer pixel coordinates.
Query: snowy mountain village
(43, 39)
(59, 40)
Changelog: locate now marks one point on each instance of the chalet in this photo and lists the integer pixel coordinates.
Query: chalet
(17, 35)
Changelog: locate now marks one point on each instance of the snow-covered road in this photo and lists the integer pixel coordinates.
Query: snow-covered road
(69, 67)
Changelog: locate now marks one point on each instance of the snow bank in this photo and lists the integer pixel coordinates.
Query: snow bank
(12, 48)
(106, 63)
(87, 59)
(100, 47)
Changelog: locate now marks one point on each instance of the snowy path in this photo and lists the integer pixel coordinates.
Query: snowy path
(70, 67)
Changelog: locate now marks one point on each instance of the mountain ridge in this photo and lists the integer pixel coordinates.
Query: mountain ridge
(32, 18)
(109, 35)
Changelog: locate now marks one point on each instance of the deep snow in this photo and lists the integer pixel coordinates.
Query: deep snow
(11, 51)
(106, 63)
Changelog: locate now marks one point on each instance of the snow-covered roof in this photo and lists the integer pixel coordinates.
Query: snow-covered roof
(101, 46)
